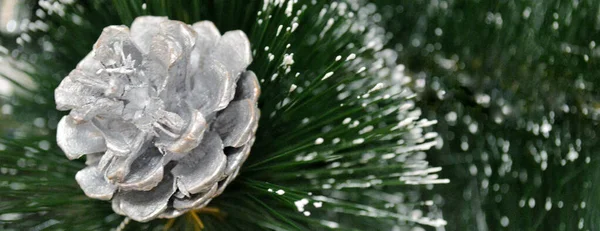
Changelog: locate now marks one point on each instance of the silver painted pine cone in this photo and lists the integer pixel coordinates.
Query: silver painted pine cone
(165, 113)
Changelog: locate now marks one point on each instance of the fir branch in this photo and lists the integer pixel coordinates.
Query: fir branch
(332, 134)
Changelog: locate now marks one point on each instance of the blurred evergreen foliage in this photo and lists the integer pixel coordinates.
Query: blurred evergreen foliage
(514, 86)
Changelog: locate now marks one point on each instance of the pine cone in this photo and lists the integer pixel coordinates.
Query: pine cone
(166, 114)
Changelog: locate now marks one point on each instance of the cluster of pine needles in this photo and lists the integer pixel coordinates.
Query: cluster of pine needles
(340, 144)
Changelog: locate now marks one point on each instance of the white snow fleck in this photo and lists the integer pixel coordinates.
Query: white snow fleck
(358, 141)
(288, 59)
(319, 141)
(300, 204)
(504, 221)
(346, 120)
(327, 75)
(318, 204)
(351, 57)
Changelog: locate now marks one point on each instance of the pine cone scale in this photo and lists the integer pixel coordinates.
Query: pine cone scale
(93, 184)
(79, 139)
(146, 205)
(145, 173)
(193, 179)
(198, 201)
